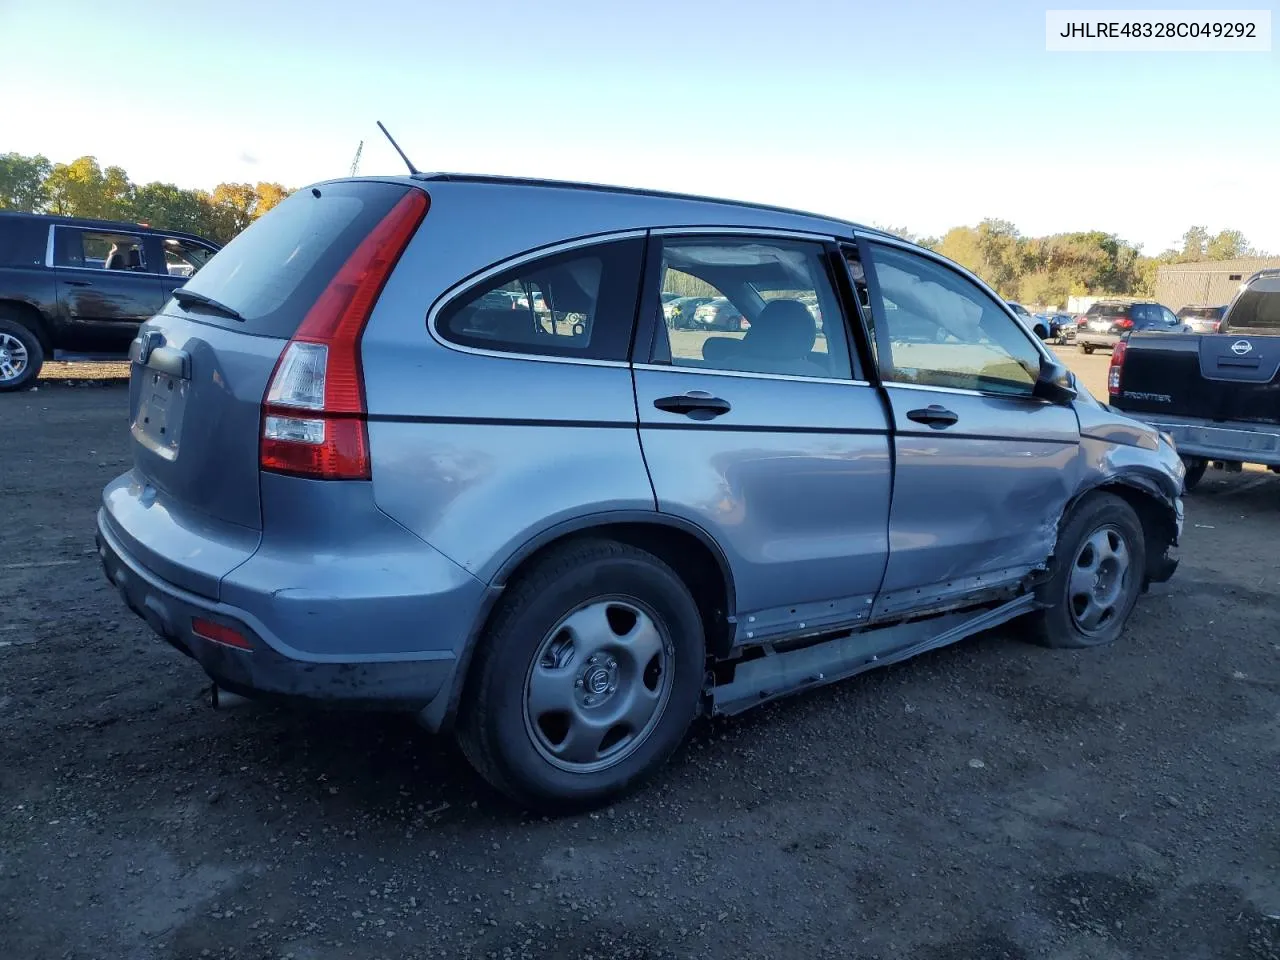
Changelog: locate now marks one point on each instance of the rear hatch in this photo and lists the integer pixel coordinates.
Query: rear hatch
(1108, 318)
(201, 369)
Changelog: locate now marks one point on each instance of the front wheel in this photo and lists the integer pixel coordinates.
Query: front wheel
(1087, 347)
(1097, 574)
(587, 679)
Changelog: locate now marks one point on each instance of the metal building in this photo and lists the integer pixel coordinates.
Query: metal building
(1208, 283)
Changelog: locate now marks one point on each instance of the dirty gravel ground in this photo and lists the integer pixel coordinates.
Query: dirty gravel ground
(992, 801)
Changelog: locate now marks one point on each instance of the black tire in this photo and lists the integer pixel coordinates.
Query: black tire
(493, 728)
(1196, 466)
(32, 356)
(1057, 624)
(1087, 347)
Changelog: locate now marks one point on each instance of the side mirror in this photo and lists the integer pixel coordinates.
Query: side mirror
(1055, 383)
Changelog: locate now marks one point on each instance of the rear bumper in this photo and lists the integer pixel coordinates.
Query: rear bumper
(1096, 339)
(399, 684)
(1233, 441)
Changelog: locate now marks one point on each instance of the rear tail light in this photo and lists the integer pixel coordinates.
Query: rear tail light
(1124, 323)
(313, 415)
(1117, 367)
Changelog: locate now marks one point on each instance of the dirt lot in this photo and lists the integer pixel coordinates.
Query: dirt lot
(992, 801)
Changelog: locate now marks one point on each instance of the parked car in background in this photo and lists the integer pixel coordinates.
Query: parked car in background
(679, 311)
(1061, 326)
(1202, 319)
(718, 314)
(1039, 327)
(1216, 393)
(1107, 321)
(564, 562)
(78, 289)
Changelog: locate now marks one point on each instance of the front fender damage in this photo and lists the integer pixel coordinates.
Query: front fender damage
(1150, 481)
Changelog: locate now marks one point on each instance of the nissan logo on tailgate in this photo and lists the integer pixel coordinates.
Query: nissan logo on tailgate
(1241, 347)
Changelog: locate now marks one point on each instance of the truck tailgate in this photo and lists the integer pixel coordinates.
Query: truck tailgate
(1220, 377)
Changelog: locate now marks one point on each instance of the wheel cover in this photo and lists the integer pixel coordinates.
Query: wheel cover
(598, 685)
(1099, 579)
(13, 357)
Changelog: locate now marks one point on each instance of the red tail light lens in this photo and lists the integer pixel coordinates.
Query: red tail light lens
(1117, 368)
(314, 415)
(1124, 323)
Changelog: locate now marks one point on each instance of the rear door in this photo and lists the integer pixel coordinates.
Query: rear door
(199, 374)
(982, 468)
(769, 438)
(105, 287)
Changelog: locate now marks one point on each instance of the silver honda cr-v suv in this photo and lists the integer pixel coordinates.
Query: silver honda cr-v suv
(428, 444)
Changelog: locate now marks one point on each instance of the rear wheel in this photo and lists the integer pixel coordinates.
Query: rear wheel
(587, 679)
(21, 355)
(1196, 466)
(1087, 347)
(1097, 575)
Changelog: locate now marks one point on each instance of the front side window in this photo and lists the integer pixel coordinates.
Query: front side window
(937, 328)
(99, 250)
(752, 305)
(182, 258)
(580, 303)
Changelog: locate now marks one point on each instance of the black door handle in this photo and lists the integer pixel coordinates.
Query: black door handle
(77, 283)
(696, 405)
(934, 415)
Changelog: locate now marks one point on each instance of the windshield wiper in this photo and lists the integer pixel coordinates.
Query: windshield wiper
(185, 296)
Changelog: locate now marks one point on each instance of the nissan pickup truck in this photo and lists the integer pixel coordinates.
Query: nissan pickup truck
(1217, 395)
(75, 289)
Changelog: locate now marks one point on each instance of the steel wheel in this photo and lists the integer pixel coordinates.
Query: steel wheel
(598, 685)
(13, 357)
(1099, 580)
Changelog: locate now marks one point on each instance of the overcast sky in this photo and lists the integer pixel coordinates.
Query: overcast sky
(923, 115)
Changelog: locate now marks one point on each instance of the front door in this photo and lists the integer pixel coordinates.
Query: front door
(105, 289)
(983, 469)
(764, 435)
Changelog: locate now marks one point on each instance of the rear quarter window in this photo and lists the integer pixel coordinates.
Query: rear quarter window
(274, 271)
(577, 304)
(23, 242)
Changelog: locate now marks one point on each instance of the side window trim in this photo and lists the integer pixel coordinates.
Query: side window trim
(474, 285)
(865, 247)
(659, 352)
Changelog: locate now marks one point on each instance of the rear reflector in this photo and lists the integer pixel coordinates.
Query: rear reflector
(313, 414)
(219, 634)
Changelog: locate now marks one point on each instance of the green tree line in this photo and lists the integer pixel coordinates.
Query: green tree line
(83, 188)
(1045, 271)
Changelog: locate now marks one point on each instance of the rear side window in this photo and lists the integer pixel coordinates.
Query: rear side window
(99, 250)
(275, 270)
(1257, 308)
(22, 241)
(580, 303)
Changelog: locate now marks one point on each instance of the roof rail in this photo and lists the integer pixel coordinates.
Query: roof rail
(498, 180)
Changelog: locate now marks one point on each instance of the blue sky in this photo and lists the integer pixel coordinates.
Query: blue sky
(924, 115)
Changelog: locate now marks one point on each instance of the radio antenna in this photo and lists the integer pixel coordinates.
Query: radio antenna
(407, 162)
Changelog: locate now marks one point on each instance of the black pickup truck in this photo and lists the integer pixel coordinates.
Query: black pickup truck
(73, 289)
(1217, 395)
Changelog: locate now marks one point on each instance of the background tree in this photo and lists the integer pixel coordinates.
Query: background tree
(1228, 245)
(22, 182)
(1193, 243)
